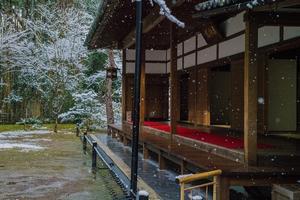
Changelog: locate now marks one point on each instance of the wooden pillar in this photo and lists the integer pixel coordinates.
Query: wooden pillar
(250, 90)
(125, 141)
(161, 161)
(183, 167)
(173, 80)
(124, 85)
(221, 188)
(206, 113)
(143, 87)
(145, 152)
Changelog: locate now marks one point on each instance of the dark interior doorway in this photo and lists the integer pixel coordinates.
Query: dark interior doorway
(220, 95)
(184, 92)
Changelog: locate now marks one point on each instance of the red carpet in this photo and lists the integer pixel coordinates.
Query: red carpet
(217, 139)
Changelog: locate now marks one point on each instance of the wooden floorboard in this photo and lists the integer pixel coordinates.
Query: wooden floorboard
(208, 161)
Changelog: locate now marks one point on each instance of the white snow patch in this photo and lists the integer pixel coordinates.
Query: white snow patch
(17, 134)
(24, 147)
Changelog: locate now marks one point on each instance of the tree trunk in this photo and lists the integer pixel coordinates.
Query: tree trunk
(109, 91)
(56, 125)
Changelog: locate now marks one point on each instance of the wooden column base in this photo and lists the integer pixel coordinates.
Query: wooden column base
(145, 152)
(125, 141)
(183, 167)
(161, 162)
(223, 192)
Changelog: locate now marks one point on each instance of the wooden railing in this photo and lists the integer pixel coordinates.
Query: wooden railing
(187, 179)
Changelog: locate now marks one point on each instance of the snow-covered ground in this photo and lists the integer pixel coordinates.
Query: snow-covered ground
(23, 140)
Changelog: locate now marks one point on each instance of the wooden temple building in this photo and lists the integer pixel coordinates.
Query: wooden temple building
(221, 93)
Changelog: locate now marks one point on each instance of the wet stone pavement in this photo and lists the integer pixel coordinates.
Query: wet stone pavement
(44, 165)
(162, 181)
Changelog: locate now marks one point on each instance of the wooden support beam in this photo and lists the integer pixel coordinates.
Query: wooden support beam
(124, 85)
(161, 161)
(125, 141)
(173, 80)
(145, 151)
(143, 87)
(224, 192)
(149, 22)
(250, 90)
(277, 18)
(183, 167)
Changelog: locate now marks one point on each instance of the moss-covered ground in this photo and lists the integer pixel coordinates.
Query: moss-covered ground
(58, 171)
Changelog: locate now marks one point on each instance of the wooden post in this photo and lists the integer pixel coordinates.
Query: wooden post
(125, 141)
(173, 81)
(84, 142)
(207, 98)
(222, 188)
(182, 186)
(216, 188)
(143, 87)
(145, 152)
(124, 85)
(161, 161)
(94, 156)
(250, 90)
(182, 167)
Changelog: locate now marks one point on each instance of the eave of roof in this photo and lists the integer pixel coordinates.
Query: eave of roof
(99, 21)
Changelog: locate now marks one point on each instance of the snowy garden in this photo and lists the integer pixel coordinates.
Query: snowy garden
(47, 73)
(50, 81)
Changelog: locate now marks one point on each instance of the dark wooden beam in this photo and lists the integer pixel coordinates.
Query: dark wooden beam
(149, 22)
(143, 87)
(123, 84)
(250, 90)
(278, 18)
(173, 80)
(277, 5)
(269, 5)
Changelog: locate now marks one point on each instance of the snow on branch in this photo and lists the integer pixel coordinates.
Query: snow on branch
(210, 4)
(165, 10)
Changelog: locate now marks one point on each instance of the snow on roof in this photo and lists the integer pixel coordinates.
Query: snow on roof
(211, 4)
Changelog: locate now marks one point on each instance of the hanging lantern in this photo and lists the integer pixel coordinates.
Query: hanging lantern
(111, 72)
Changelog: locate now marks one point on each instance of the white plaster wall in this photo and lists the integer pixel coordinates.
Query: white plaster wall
(130, 67)
(290, 32)
(232, 46)
(130, 54)
(179, 64)
(155, 68)
(201, 41)
(156, 55)
(190, 60)
(190, 44)
(207, 54)
(268, 35)
(179, 49)
(234, 24)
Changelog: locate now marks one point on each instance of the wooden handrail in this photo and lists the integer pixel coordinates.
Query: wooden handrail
(183, 180)
(198, 176)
